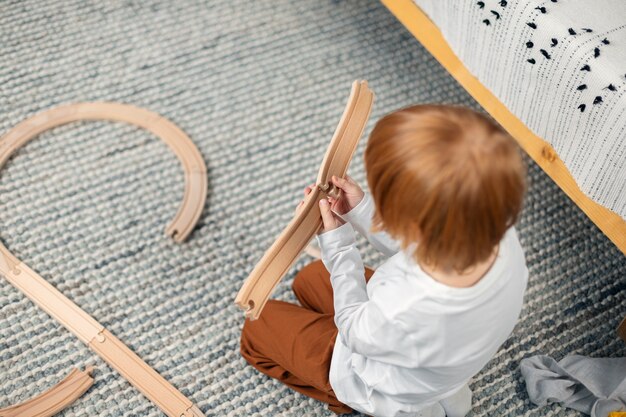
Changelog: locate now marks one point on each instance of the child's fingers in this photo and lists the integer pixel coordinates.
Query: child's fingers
(333, 203)
(345, 185)
(327, 216)
(308, 189)
(340, 182)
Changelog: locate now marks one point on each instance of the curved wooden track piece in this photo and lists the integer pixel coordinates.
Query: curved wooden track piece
(171, 401)
(55, 399)
(193, 165)
(275, 263)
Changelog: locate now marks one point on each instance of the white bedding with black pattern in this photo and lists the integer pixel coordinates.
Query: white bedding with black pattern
(560, 67)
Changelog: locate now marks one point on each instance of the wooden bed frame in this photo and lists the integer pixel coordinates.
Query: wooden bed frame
(416, 21)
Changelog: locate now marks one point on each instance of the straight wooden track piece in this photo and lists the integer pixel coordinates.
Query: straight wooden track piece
(55, 399)
(171, 401)
(275, 263)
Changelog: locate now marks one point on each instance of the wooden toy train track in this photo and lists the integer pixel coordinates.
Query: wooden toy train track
(275, 263)
(55, 399)
(171, 401)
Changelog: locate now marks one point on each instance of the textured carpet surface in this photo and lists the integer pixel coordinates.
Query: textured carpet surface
(259, 87)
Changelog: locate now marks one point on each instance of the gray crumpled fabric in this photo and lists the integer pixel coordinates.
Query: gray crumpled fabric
(594, 386)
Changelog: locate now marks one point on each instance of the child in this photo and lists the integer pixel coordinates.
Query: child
(447, 186)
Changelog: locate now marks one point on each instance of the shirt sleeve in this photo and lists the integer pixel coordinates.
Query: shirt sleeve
(362, 324)
(360, 217)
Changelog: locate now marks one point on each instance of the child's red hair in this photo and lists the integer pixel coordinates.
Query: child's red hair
(446, 178)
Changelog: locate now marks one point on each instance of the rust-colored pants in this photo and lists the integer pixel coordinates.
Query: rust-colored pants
(295, 344)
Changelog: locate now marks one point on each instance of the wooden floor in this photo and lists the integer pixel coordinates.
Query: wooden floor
(613, 226)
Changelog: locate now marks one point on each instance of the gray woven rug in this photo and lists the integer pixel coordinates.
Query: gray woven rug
(259, 87)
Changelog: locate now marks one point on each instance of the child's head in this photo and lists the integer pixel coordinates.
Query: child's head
(446, 178)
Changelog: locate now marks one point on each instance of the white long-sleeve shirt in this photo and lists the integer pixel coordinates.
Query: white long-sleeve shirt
(405, 340)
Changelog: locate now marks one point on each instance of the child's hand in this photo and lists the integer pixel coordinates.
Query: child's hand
(330, 219)
(351, 195)
(307, 191)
